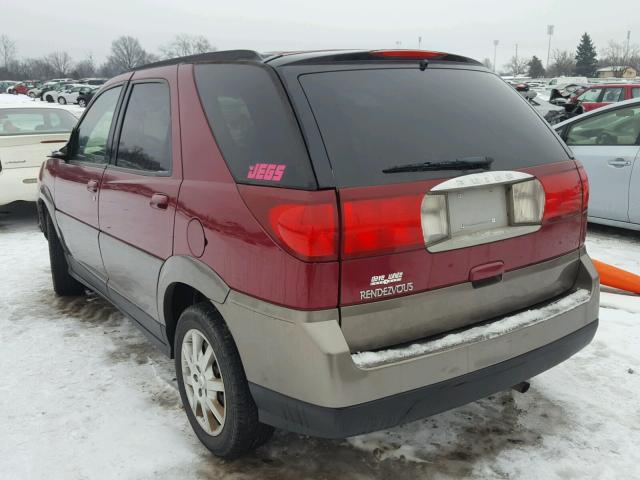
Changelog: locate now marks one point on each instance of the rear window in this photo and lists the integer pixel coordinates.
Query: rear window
(254, 126)
(375, 119)
(35, 121)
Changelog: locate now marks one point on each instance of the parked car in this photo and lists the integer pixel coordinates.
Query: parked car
(23, 87)
(27, 136)
(70, 93)
(52, 95)
(5, 84)
(558, 82)
(86, 94)
(605, 94)
(525, 90)
(607, 142)
(37, 91)
(92, 81)
(285, 226)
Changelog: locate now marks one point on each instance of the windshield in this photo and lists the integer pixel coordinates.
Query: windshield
(375, 119)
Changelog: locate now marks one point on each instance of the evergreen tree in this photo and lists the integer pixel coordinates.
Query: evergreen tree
(536, 70)
(586, 61)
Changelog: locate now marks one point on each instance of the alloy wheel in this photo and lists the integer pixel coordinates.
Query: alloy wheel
(203, 382)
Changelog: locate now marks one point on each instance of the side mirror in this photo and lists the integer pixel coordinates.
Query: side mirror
(59, 154)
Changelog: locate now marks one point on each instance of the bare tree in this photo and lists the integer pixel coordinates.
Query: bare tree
(619, 57)
(487, 63)
(183, 45)
(126, 54)
(60, 62)
(7, 50)
(85, 68)
(564, 63)
(517, 65)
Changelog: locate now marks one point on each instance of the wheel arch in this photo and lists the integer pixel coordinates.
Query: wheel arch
(184, 281)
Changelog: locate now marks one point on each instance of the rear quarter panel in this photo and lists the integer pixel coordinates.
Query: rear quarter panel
(237, 248)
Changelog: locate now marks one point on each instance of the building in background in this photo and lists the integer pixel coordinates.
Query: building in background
(617, 72)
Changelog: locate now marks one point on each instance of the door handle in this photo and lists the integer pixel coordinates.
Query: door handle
(159, 200)
(92, 186)
(619, 162)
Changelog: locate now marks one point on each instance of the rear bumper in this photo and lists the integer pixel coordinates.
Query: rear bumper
(301, 417)
(18, 184)
(304, 378)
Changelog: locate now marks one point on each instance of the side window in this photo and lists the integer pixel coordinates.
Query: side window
(635, 92)
(591, 95)
(145, 141)
(612, 95)
(618, 127)
(253, 124)
(93, 131)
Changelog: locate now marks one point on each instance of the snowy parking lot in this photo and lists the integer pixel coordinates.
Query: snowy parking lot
(85, 396)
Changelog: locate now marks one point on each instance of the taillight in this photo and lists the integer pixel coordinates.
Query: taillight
(380, 225)
(584, 180)
(563, 191)
(302, 222)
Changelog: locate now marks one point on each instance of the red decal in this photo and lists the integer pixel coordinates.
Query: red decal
(266, 171)
(277, 176)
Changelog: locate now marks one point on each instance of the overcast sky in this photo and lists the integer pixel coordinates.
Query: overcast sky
(466, 27)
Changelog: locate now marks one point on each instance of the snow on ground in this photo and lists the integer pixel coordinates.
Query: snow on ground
(85, 396)
(8, 99)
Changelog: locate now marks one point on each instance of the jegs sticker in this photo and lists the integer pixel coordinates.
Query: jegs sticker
(266, 171)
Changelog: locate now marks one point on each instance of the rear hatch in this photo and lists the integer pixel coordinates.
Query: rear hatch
(457, 202)
(28, 135)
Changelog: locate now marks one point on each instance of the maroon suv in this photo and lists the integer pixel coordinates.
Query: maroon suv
(327, 242)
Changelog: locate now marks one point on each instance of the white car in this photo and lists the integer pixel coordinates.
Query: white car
(607, 143)
(52, 95)
(27, 135)
(70, 94)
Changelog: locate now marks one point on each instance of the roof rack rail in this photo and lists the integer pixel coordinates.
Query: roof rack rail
(221, 56)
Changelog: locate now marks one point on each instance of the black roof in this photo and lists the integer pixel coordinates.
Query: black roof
(308, 57)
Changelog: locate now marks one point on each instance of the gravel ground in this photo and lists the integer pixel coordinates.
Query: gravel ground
(84, 396)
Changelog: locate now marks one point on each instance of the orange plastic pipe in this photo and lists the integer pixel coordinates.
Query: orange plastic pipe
(617, 278)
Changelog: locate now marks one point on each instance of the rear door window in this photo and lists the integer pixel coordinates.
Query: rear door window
(635, 92)
(612, 95)
(254, 126)
(145, 141)
(372, 120)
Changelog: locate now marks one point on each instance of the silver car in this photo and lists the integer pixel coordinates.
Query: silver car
(607, 142)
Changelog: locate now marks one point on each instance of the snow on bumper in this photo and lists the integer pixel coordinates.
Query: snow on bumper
(475, 334)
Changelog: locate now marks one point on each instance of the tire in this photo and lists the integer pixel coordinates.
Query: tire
(62, 100)
(63, 284)
(239, 430)
(31, 95)
(49, 99)
(82, 102)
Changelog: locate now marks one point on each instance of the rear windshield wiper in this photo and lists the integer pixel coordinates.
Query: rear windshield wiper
(464, 163)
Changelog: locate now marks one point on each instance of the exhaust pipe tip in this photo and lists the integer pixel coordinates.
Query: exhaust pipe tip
(521, 387)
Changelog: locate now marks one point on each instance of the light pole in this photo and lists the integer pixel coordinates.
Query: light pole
(516, 66)
(626, 55)
(419, 43)
(495, 52)
(550, 33)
